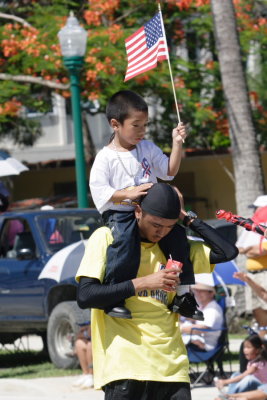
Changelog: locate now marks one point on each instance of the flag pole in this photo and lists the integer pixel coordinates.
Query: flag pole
(169, 64)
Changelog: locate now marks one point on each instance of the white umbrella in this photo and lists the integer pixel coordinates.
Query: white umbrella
(64, 263)
(9, 165)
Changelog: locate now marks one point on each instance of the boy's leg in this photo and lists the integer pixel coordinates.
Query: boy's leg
(123, 255)
(176, 245)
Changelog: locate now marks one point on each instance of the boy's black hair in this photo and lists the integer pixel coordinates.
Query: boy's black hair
(122, 102)
(259, 344)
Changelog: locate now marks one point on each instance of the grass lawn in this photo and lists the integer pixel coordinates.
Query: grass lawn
(34, 364)
(30, 364)
(237, 335)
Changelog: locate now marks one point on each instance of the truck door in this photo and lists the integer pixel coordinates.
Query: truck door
(21, 293)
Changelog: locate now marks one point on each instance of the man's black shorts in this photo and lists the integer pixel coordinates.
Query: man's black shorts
(147, 390)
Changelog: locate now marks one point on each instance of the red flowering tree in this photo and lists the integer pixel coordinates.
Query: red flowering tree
(31, 64)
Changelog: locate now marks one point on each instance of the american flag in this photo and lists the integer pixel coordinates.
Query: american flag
(146, 47)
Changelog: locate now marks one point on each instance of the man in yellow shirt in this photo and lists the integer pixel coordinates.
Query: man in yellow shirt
(144, 357)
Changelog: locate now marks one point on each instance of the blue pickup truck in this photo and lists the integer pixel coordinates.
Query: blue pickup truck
(30, 304)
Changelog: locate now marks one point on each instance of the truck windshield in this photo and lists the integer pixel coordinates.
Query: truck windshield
(60, 230)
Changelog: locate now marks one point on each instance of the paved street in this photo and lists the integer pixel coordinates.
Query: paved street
(61, 388)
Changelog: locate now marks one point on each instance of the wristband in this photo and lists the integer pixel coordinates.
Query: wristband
(191, 215)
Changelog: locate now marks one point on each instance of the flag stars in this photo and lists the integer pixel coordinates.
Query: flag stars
(153, 31)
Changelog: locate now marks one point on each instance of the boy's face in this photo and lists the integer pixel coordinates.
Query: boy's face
(133, 129)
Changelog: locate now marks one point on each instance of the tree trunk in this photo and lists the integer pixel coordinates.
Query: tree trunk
(245, 153)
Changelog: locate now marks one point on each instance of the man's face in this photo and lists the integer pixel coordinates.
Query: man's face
(151, 227)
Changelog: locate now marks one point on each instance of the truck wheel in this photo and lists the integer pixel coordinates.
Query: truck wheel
(61, 331)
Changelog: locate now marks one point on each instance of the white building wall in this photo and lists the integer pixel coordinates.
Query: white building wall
(57, 141)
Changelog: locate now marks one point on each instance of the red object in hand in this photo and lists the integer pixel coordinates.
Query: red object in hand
(247, 223)
(174, 264)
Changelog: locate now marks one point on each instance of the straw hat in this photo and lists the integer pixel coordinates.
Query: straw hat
(203, 286)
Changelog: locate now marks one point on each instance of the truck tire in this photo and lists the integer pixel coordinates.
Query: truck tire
(61, 331)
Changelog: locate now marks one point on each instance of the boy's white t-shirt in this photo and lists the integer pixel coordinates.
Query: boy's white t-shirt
(145, 164)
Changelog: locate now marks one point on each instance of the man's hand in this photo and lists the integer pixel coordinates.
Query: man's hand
(165, 279)
(179, 134)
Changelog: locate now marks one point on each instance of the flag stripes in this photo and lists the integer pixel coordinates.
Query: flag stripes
(146, 47)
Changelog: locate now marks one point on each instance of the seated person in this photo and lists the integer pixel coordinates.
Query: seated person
(83, 350)
(15, 226)
(258, 394)
(255, 351)
(261, 292)
(11, 229)
(213, 318)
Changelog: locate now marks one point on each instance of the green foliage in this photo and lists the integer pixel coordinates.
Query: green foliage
(30, 364)
(23, 131)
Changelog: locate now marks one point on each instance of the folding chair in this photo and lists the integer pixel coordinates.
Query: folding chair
(209, 358)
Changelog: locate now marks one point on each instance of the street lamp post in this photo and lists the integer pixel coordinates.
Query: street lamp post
(72, 38)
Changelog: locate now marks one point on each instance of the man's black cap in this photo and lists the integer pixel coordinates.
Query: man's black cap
(162, 201)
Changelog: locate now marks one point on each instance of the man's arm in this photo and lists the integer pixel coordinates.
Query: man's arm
(221, 249)
(92, 293)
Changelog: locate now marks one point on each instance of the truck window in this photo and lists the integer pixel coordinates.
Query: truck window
(62, 230)
(15, 236)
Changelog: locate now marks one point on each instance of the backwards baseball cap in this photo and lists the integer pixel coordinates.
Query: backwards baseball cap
(162, 201)
(261, 201)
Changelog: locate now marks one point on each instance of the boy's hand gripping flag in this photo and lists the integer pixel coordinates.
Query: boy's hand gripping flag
(146, 47)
